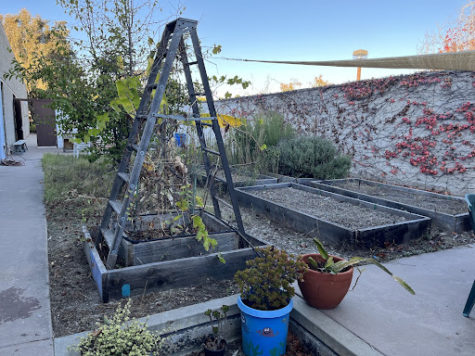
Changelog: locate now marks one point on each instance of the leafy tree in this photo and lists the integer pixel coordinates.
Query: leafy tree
(83, 76)
(30, 37)
(293, 85)
(454, 38)
(319, 82)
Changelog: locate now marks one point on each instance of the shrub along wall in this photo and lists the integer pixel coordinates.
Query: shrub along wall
(416, 130)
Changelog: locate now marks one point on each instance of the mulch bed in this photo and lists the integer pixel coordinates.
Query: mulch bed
(352, 216)
(75, 303)
(427, 202)
(259, 226)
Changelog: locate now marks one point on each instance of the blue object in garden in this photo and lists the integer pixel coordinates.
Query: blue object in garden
(126, 290)
(470, 198)
(264, 332)
(180, 139)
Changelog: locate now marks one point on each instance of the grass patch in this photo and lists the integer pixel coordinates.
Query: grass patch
(75, 186)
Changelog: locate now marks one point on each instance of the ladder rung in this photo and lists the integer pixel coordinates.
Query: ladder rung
(134, 147)
(183, 118)
(108, 235)
(211, 151)
(151, 86)
(200, 94)
(191, 63)
(116, 205)
(124, 176)
(206, 124)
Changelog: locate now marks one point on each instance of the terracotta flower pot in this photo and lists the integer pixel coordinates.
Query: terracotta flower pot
(324, 290)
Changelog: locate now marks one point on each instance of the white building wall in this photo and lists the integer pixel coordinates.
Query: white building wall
(10, 88)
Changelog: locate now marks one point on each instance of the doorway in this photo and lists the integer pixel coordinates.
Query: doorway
(18, 119)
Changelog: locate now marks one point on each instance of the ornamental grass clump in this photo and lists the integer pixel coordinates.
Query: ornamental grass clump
(266, 283)
(117, 336)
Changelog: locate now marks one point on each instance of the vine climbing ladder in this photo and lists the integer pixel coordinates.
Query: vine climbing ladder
(172, 43)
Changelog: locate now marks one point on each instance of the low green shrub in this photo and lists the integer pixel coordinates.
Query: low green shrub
(312, 157)
(119, 336)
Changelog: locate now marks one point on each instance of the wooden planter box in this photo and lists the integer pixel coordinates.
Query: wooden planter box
(220, 183)
(412, 228)
(165, 263)
(133, 253)
(451, 222)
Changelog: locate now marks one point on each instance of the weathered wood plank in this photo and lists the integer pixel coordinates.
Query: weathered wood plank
(171, 249)
(172, 274)
(98, 270)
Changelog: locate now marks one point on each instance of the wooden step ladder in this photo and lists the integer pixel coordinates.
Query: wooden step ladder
(171, 44)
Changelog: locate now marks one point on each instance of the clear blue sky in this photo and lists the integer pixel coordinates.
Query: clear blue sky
(297, 30)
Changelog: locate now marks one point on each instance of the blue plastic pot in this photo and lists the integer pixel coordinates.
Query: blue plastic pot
(264, 332)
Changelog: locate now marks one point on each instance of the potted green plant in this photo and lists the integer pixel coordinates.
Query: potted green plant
(215, 344)
(327, 278)
(266, 300)
(117, 336)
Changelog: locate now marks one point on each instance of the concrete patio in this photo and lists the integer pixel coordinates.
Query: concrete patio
(25, 317)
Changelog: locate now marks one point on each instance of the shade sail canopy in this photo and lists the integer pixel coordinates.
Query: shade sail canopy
(442, 61)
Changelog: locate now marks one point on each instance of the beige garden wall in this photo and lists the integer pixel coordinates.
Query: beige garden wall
(416, 130)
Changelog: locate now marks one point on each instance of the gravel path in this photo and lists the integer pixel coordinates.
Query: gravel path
(352, 216)
(420, 200)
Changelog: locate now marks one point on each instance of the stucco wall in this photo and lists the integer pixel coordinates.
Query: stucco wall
(11, 87)
(415, 130)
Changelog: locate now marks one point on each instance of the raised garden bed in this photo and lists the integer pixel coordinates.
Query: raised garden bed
(145, 242)
(164, 263)
(447, 212)
(240, 179)
(335, 218)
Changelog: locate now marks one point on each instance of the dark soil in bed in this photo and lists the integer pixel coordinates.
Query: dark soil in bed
(425, 201)
(353, 216)
(157, 234)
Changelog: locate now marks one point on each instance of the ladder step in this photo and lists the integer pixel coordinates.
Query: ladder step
(108, 235)
(183, 118)
(211, 151)
(191, 63)
(176, 117)
(133, 147)
(124, 176)
(116, 205)
(151, 86)
(206, 124)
